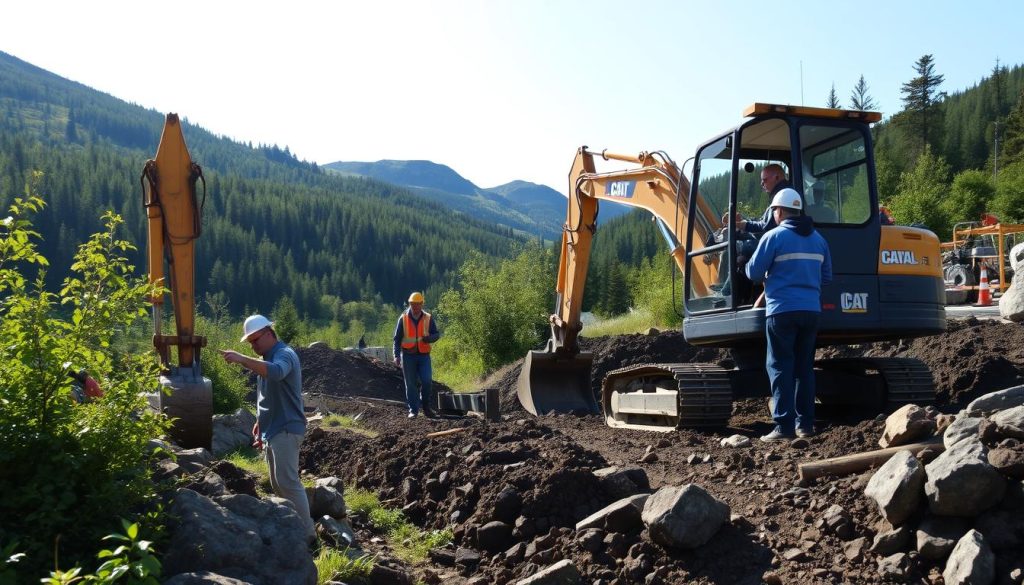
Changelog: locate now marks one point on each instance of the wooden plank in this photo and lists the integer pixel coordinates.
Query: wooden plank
(847, 464)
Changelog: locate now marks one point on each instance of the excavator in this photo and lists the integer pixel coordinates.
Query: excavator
(887, 279)
(174, 223)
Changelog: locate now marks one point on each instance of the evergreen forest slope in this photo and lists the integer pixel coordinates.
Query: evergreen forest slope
(273, 225)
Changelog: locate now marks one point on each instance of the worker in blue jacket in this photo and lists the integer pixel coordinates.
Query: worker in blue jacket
(794, 262)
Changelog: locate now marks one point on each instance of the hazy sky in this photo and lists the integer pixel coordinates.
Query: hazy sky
(499, 90)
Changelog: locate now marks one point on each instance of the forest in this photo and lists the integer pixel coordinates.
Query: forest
(346, 251)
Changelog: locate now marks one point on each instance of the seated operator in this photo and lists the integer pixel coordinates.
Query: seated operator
(773, 180)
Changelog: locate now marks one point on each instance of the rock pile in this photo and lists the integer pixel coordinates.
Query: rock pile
(964, 510)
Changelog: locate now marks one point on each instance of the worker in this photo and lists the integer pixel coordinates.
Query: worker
(84, 387)
(885, 216)
(280, 418)
(414, 333)
(794, 262)
(773, 180)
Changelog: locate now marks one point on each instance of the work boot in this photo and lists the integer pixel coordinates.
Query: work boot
(411, 415)
(777, 436)
(805, 433)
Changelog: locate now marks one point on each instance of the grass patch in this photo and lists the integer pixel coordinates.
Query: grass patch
(252, 461)
(635, 322)
(341, 421)
(409, 542)
(342, 565)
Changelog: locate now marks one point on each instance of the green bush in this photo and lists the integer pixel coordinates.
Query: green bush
(68, 470)
(655, 294)
(230, 383)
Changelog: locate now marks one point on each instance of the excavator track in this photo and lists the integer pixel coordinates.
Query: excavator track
(897, 381)
(667, 396)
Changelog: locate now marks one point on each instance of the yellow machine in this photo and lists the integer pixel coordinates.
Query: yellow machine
(975, 243)
(887, 279)
(169, 196)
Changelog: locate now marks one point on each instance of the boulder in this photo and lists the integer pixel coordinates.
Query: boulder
(561, 573)
(996, 401)
(262, 542)
(971, 562)
(1010, 422)
(906, 425)
(891, 541)
(231, 431)
(896, 487)
(964, 427)
(1011, 304)
(1009, 461)
(1017, 258)
(735, 441)
(684, 516)
(961, 482)
(327, 498)
(622, 482)
(937, 535)
(494, 536)
(194, 460)
(623, 516)
(203, 578)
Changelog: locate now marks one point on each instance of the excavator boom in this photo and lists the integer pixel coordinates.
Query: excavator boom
(558, 377)
(173, 212)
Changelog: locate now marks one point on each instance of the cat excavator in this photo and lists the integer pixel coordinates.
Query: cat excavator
(887, 280)
(173, 212)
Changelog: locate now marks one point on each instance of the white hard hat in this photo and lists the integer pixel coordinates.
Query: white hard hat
(253, 324)
(788, 198)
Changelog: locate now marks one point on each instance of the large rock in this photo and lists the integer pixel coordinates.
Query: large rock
(906, 425)
(891, 541)
(937, 535)
(1011, 304)
(327, 498)
(621, 516)
(996, 401)
(561, 573)
(971, 562)
(961, 482)
(262, 542)
(1010, 422)
(1009, 461)
(964, 427)
(896, 487)
(622, 482)
(202, 578)
(1017, 258)
(684, 516)
(231, 431)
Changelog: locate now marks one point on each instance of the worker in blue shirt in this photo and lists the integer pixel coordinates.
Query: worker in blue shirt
(414, 333)
(794, 262)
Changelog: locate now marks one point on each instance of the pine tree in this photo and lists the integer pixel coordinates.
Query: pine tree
(922, 101)
(1011, 139)
(860, 99)
(833, 99)
(999, 88)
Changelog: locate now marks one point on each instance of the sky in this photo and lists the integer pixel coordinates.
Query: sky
(500, 90)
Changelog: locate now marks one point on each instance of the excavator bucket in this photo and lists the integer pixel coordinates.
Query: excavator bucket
(550, 382)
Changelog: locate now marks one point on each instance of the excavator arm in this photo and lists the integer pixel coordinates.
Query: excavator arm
(558, 377)
(173, 212)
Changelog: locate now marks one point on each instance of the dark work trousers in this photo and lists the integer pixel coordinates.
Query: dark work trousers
(790, 366)
(416, 368)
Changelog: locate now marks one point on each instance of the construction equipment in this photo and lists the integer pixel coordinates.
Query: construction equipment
(887, 279)
(169, 196)
(976, 243)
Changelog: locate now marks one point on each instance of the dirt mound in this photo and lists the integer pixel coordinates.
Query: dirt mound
(351, 373)
(535, 474)
(972, 358)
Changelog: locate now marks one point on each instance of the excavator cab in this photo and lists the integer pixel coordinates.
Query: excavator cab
(887, 280)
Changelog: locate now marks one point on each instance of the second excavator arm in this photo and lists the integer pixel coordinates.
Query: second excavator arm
(558, 378)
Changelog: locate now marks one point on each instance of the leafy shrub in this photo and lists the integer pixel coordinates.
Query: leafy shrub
(341, 565)
(68, 470)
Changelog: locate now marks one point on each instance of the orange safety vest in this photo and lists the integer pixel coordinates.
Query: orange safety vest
(415, 332)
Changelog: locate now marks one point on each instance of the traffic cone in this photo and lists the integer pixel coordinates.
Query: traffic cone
(984, 294)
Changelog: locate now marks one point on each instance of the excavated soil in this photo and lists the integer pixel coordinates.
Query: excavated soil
(535, 472)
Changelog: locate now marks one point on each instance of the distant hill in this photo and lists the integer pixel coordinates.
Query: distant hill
(273, 225)
(526, 207)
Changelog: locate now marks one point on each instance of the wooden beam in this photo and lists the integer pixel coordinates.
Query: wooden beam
(847, 464)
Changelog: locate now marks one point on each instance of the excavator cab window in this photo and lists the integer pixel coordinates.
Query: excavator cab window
(708, 272)
(835, 173)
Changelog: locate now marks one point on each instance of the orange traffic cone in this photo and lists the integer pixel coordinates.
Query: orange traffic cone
(984, 294)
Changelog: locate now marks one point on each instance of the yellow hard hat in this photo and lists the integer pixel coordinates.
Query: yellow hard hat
(416, 297)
